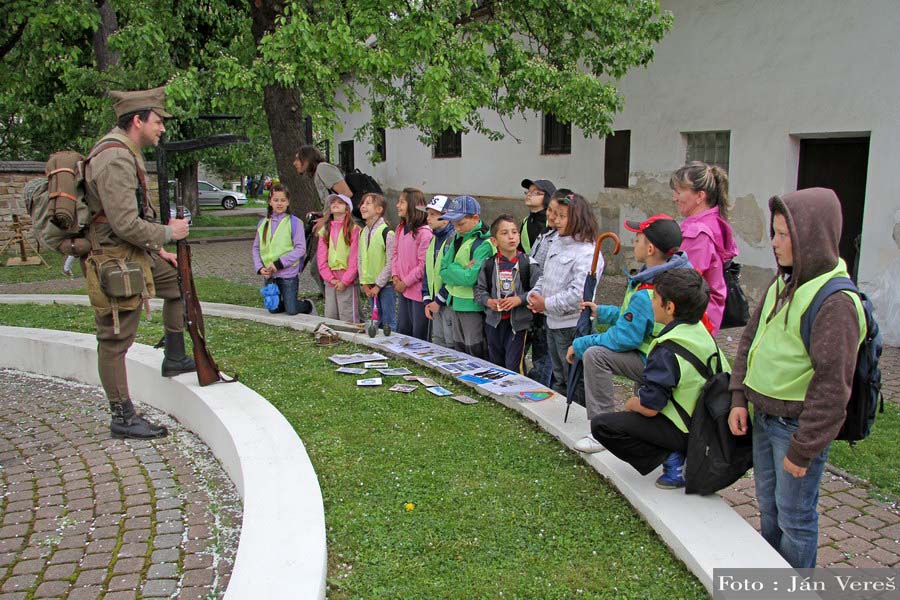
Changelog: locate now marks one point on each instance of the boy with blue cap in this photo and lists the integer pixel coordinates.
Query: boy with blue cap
(460, 265)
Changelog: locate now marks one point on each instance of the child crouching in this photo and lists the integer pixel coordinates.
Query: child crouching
(650, 431)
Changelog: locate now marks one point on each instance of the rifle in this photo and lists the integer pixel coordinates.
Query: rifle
(207, 369)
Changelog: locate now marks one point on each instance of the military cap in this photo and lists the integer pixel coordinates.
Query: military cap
(128, 102)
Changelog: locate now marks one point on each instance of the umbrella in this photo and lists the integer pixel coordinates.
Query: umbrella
(575, 387)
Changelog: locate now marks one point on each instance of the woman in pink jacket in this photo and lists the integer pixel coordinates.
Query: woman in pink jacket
(700, 192)
(408, 263)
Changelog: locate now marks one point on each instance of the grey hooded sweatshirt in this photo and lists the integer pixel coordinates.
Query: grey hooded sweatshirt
(814, 220)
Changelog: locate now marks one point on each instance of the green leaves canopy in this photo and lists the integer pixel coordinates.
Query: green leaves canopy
(429, 64)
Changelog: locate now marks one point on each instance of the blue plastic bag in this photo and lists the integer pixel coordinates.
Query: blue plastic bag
(271, 296)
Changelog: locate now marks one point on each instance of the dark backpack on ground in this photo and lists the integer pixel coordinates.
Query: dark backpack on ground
(737, 310)
(716, 458)
(865, 394)
(360, 184)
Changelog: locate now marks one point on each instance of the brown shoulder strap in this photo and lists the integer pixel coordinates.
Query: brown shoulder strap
(108, 143)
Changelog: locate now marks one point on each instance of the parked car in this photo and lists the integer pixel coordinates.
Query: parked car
(211, 195)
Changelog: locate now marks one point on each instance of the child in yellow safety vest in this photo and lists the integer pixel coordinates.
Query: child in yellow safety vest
(434, 293)
(279, 250)
(376, 246)
(338, 259)
(650, 431)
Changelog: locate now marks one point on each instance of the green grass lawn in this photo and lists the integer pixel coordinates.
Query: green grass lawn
(501, 509)
(222, 219)
(26, 274)
(199, 233)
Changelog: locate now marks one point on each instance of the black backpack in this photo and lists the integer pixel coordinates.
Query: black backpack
(716, 458)
(865, 395)
(737, 310)
(360, 184)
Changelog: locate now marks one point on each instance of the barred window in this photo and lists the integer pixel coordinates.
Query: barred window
(345, 157)
(617, 159)
(712, 147)
(449, 145)
(381, 144)
(556, 137)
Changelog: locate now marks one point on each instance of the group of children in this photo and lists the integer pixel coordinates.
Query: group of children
(496, 292)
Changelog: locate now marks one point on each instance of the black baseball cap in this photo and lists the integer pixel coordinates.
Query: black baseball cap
(545, 185)
(661, 230)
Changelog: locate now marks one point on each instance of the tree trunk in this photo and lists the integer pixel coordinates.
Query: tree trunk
(284, 113)
(108, 25)
(187, 185)
(288, 131)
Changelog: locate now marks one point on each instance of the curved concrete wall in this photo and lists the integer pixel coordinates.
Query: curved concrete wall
(282, 551)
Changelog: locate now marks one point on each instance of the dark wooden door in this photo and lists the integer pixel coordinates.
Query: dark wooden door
(839, 164)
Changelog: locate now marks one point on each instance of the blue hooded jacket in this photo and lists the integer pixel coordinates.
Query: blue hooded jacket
(628, 332)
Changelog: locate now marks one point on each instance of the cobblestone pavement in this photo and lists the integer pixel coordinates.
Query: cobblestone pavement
(855, 530)
(85, 516)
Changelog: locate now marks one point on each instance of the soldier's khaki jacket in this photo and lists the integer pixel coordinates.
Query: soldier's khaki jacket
(111, 185)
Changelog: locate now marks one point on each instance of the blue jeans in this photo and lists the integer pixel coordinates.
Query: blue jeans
(387, 307)
(541, 365)
(787, 504)
(287, 289)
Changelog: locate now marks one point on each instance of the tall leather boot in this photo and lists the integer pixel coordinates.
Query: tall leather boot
(176, 361)
(126, 423)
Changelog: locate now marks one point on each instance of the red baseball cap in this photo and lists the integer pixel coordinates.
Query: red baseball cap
(661, 230)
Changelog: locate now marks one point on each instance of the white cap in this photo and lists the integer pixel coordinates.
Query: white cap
(437, 203)
(346, 200)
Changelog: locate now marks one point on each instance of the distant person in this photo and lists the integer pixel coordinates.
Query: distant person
(502, 288)
(650, 431)
(408, 263)
(434, 294)
(376, 247)
(328, 180)
(799, 397)
(628, 330)
(462, 260)
(338, 260)
(700, 193)
(558, 292)
(279, 249)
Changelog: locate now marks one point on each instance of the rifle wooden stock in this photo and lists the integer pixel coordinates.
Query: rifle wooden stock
(207, 369)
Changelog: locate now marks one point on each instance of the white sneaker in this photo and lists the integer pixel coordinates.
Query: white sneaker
(589, 445)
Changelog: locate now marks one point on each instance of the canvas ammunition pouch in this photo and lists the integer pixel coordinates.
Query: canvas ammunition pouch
(119, 278)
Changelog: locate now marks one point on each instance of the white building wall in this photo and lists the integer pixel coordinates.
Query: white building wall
(768, 71)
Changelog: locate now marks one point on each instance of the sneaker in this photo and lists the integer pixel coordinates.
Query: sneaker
(673, 472)
(589, 445)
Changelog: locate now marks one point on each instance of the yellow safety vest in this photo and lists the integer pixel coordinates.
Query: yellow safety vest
(338, 252)
(372, 254)
(695, 339)
(778, 365)
(275, 243)
(433, 265)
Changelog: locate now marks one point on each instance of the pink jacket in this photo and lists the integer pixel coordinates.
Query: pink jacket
(708, 242)
(408, 261)
(348, 276)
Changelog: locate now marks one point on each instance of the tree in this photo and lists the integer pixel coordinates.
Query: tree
(429, 64)
(438, 64)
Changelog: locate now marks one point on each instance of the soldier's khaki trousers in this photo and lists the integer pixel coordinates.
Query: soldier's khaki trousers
(112, 347)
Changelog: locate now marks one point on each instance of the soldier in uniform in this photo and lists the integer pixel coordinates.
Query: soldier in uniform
(122, 229)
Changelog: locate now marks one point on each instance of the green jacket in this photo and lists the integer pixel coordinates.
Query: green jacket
(460, 276)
